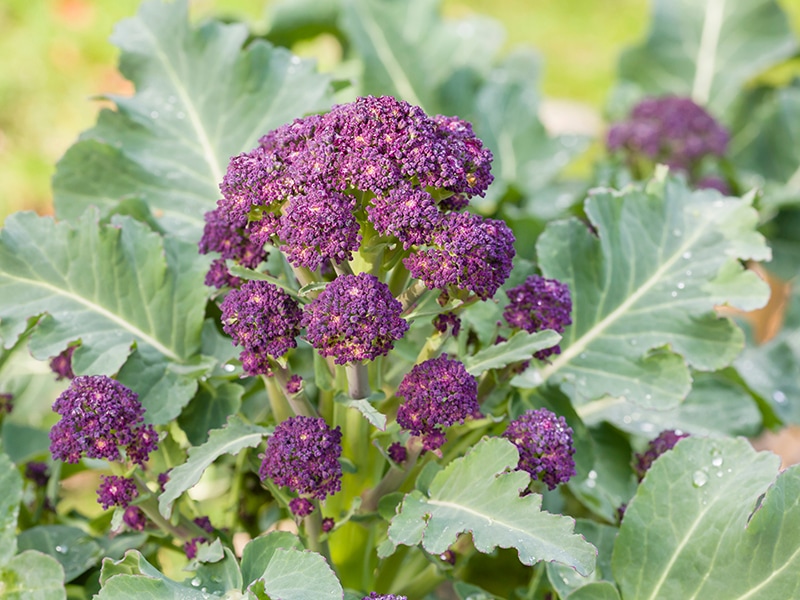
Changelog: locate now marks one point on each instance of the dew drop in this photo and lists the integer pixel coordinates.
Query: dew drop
(718, 204)
(583, 355)
(648, 396)
(717, 461)
(204, 590)
(779, 397)
(592, 474)
(719, 473)
(627, 419)
(699, 479)
(674, 294)
(687, 255)
(229, 368)
(154, 114)
(677, 232)
(196, 581)
(180, 114)
(62, 549)
(688, 272)
(633, 342)
(648, 427)
(681, 285)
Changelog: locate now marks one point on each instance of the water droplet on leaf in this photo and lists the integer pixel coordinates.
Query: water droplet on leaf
(62, 549)
(699, 478)
(196, 581)
(687, 255)
(681, 285)
(154, 114)
(717, 461)
(779, 397)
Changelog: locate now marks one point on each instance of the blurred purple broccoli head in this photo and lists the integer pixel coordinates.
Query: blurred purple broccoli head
(539, 304)
(100, 418)
(355, 318)
(670, 130)
(665, 440)
(264, 320)
(303, 455)
(436, 394)
(116, 491)
(544, 442)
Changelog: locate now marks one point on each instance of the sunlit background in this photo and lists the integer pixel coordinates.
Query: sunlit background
(57, 62)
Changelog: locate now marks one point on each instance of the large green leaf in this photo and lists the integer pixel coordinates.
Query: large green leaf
(259, 551)
(480, 493)
(432, 64)
(526, 158)
(518, 348)
(32, 575)
(708, 49)
(644, 289)
(698, 527)
(201, 97)
(300, 575)
(231, 439)
(72, 547)
(11, 484)
(112, 287)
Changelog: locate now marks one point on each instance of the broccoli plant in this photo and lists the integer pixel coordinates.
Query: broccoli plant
(291, 336)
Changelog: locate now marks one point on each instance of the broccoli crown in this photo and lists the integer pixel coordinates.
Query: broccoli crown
(264, 320)
(310, 185)
(437, 393)
(670, 130)
(355, 318)
(116, 491)
(302, 454)
(665, 440)
(134, 518)
(468, 252)
(99, 418)
(538, 304)
(544, 442)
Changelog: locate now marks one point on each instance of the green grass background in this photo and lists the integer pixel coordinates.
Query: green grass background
(56, 58)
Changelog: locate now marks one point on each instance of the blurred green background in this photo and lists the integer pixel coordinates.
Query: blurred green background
(57, 60)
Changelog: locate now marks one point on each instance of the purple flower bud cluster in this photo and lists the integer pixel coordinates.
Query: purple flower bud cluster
(670, 130)
(264, 320)
(303, 455)
(355, 318)
(308, 180)
(116, 491)
(190, 547)
(295, 384)
(397, 452)
(61, 365)
(301, 507)
(544, 442)
(134, 518)
(665, 440)
(377, 596)
(467, 252)
(232, 243)
(6, 404)
(38, 473)
(539, 304)
(447, 320)
(437, 393)
(328, 524)
(100, 417)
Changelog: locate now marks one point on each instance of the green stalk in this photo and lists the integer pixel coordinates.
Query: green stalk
(357, 380)
(393, 479)
(298, 402)
(312, 524)
(185, 530)
(412, 294)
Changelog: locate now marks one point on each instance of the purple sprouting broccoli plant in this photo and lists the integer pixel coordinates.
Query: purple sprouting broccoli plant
(664, 441)
(264, 320)
(355, 318)
(101, 418)
(61, 364)
(134, 518)
(303, 455)
(544, 442)
(539, 304)
(670, 130)
(445, 321)
(116, 491)
(466, 252)
(436, 394)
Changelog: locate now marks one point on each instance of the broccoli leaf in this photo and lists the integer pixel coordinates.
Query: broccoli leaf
(293, 574)
(72, 547)
(480, 493)
(231, 439)
(201, 97)
(11, 484)
(112, 287)
(644, 291)
(32, 574)
(698, 527)
(708, 49)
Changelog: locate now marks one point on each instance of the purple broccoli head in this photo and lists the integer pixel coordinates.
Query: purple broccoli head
(100, 418)
(665, 440)
(436, 393)
(355, 318)
(231, 242)
(467, 252)
(544, 442)
(116, 491)
(264, 320)
(670, 130)
(302, 454)
(134, 518)
(539, 304)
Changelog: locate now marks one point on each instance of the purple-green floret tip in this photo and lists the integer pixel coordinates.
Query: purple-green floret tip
(665, 441)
